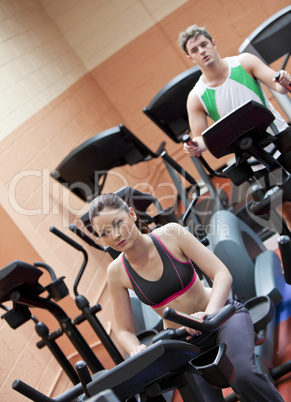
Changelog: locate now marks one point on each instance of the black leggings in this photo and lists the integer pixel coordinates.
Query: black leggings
(238, 335)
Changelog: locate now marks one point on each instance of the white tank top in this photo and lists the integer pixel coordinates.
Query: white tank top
(238, 88)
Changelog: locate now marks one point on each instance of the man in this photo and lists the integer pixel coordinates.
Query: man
(225, 84)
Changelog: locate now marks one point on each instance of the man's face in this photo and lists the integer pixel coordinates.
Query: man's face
(201, 50)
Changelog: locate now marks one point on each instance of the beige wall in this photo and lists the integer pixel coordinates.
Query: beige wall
(47, 45)
(37, 63)
(59, 87)
(97, 29)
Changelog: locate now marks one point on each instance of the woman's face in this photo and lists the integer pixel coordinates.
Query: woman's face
(115, 227)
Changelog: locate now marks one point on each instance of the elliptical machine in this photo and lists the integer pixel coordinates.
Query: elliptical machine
(244, 133)
(19, 283)
(257, 272)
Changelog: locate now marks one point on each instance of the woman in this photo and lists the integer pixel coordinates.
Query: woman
(158, 267)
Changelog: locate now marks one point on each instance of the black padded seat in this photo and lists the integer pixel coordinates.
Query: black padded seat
(19, 274)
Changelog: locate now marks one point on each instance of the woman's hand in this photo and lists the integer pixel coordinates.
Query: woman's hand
(138, 349)
(200, 315)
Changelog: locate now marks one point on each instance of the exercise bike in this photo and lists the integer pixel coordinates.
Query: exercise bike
(165, 365)
(169, 363)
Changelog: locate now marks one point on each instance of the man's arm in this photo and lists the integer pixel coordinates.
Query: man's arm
(198, 123)
(259, 70)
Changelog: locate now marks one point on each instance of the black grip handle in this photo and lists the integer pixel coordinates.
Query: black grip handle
(179, 334)
(186, 138)
(284, 243)
(209, 324)
(265, 205)
(51, 337)
(29, 392)
(277, 76)
(66, 238)
(84, 375)
(82, 317)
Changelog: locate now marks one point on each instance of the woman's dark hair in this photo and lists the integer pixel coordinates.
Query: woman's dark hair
(110, 200)
(113, 201)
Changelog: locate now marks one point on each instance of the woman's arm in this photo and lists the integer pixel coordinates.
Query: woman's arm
(212, 266)
(261, 71)
(122, 310)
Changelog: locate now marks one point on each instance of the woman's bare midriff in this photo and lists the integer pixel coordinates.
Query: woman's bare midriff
(194, 300)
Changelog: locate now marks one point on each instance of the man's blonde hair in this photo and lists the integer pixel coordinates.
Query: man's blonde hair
(193, 31)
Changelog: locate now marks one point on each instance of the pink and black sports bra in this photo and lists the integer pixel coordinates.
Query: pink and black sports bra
(176, 279)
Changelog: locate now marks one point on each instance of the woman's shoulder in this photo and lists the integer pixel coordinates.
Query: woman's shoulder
(168, 226)
(117, 278)
(115, 266)
(116, 275)
(169, 229)
(176, 235)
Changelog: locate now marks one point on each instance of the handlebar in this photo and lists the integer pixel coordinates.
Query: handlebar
(179, 334)
(78, 247)
(284, 243)
(85, 237)
(67, 239)
(47, 268)
(208, 324)
(29, 392)
(186, 139)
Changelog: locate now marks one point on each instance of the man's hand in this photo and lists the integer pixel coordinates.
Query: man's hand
(195, 147)
(192, 148)
(283, 78)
